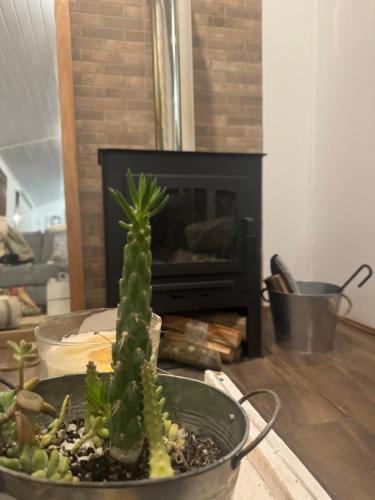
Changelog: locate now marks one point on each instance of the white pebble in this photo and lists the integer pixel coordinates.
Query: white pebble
(88, 444)
(67, 446)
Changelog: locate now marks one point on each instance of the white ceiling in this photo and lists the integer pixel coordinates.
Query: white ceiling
(29, 104)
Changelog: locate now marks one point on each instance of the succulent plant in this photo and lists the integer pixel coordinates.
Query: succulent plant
(22, 353)
(55, 425)
(14, 425)
(7, 424)
(36, 462)
(97, 429)
(96, 395)
(159, 459)
(133, 345)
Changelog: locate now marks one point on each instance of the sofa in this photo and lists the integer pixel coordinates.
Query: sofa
(34, 275)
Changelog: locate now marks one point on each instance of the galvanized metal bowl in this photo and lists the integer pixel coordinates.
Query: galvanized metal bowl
(193, 404)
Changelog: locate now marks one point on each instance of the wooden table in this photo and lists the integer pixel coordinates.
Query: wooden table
(271, 470)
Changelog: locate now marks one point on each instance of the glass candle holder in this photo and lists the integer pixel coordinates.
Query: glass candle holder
(68, 342)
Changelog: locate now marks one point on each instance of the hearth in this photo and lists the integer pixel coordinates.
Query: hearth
(206, 243)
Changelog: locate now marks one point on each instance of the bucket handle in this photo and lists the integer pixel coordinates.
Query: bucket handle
(264, 297)
(349, 305)
(363, 266)
(263, 433)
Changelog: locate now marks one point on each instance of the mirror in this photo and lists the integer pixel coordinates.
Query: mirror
(34, 240)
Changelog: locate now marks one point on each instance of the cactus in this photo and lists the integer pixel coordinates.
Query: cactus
(159, 460)
(35, 462)
(133, 344)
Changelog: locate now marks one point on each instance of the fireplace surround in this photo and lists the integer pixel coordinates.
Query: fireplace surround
(206, 244)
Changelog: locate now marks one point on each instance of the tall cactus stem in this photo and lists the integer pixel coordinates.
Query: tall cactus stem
(133, 344)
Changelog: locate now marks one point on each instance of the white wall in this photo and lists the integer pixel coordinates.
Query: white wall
(45, 212)
(27, 222)
(344, 184)
(288, 89)
(319, 129)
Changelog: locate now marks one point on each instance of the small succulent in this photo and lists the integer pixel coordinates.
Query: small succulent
(55, 425)
(97, 409)
(7, 425)
(35, 462)
(96, 394)
(23, 352)
(97, 429)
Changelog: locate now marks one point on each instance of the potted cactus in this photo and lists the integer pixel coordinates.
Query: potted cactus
(130, 434)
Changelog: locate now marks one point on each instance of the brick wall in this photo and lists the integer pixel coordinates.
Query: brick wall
(113, 88)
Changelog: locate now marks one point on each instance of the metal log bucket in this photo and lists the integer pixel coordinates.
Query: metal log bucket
(306, 322)
(193, 404)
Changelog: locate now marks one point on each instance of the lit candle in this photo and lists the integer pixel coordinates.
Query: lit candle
(74, 352)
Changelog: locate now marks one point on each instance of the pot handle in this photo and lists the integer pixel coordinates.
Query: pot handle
(241, 454)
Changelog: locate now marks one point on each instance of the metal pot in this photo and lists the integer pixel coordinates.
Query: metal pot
(195, 405)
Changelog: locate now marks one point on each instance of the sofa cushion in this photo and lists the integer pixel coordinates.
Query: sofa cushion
(35, 240)
(27, 274)
(48, 244)
(38, 294)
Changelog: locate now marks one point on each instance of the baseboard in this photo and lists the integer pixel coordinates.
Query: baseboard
(359, 326)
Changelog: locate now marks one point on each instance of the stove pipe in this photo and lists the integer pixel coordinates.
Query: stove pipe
(173, 74)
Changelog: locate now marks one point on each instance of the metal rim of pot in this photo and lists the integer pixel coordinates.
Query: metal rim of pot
(235, 455)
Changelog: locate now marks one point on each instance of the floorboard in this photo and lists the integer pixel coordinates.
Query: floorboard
(328, 415)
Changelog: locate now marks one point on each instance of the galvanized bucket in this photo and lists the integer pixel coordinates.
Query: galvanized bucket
(306, 322)
(195, 405)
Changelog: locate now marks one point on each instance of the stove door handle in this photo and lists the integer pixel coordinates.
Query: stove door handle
(249, 225)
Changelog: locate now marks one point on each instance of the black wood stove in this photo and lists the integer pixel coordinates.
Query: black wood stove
(206, 243)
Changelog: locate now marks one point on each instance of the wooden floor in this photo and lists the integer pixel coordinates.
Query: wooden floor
(328, 415)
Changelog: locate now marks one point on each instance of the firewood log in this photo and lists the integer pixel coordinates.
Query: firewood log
(216, 333)
(190, 354)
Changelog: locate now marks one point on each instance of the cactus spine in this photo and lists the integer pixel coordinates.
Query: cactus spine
(159, 460)
(133, 345)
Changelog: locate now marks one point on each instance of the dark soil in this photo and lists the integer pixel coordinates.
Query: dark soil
(88, 465)
(96, 464)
